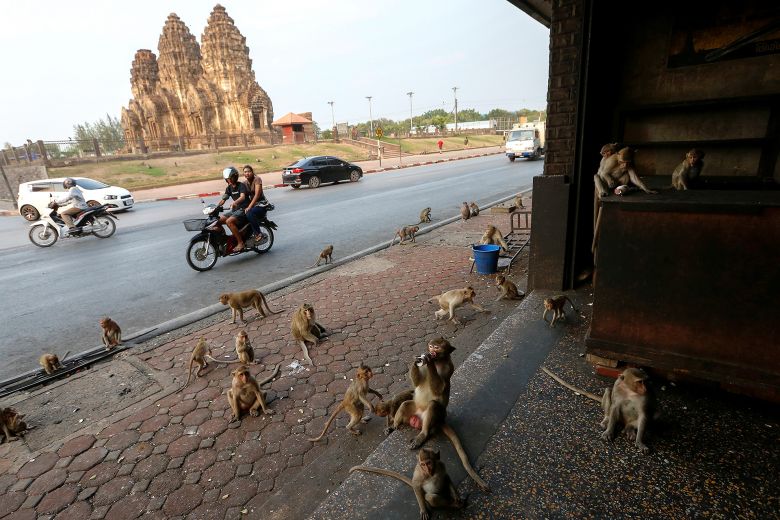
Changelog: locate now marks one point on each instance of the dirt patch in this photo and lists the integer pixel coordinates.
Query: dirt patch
(56, 413)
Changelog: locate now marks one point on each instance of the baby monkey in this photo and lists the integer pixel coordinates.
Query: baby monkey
(425, 216)
(631, 403)
(474, 209)
(238, 301)
(451, 300)
(430, 482)
(389, 408)
(406, 232)
(50, 363)
(354, 400)
(556, 306)
(326, 255)
(112, 334)
(688, 170)
(12, 425)
(509, 290)
(244, 350)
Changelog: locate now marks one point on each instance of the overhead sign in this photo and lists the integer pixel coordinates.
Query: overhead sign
(379, 132)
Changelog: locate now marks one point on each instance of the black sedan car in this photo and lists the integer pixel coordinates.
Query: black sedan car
(313, 171)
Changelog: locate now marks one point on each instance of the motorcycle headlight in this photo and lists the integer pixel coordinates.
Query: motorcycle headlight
(109, 197)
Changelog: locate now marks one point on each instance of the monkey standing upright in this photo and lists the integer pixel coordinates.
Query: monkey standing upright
(245, 395)
(354, 402)
(430, 482)
(112, 334)
(631, 403)
(556, 305)
(238, 301)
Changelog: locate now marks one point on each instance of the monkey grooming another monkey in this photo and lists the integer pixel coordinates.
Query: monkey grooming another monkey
(465, 211)
(324, 255)
(430, 482)
(688, 170)
(451, 300)
(244, 350)
(509, 290)
(405, 233)
(474, 209)
(493, 236)
(50, 363)
(425, 216)
(245, 395)
(390, 408)
(631, 403)
(112, 334)
(238, 301)
(556, 306)
(354, 400)
(12, 425)
(305, 329)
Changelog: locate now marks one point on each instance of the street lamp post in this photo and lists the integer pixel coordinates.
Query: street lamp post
(332, 114)
(411, 117)
(370, 116)
(455, 93)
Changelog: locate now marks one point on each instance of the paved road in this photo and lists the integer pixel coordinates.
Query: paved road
(54, 297)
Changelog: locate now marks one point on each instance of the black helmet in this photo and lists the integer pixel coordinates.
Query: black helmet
(68, 183)
(230, 173)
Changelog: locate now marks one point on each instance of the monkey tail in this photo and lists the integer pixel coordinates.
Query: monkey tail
(386, 472)
(263, 300)
(339, 408)
(572, 387)
(223, 362)
(269, 378)
(189, 375)
(453, 437)
(571, 303)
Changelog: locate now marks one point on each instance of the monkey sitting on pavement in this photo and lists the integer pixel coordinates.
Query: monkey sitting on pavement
(12, 425)
(630, 403)
(451, 300)
(245, 394)
(50, 363)
(305, 329)
(465, 211)
(425, 216)
(389, 408)
(244, 351)
(509, 290)
(112, 334)
(238, 301)
(430, 482)
(474, 209)
(354, 400)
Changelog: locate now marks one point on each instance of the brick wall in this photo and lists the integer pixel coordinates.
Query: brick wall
(563, 85)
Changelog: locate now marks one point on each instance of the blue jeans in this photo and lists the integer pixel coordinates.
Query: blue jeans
(255, 215)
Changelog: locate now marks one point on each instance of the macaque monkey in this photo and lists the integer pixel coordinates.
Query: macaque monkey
(519, 201)
(198, 357)
(556, 305)
(688, 170)
(353, 403)
(244, 350)
(425, 216)
(305, 329)
(427, 410)
(390, 408)
(12, 425)
(112, 334)
(474, 209)
(509, 290)
(430, 482)
(465, 211)
(631, 403)
(238, 301)
(50, 363)
(325, 254)
(451, 300)
(404, 233)
(493, 236)
(245, 394)
(616, 170)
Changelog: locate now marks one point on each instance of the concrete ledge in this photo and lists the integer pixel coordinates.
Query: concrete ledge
(484, 390)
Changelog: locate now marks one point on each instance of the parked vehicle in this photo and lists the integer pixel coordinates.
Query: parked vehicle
(212, 242)
(313, 171)
(525, 140)
(93, 221)
(34, 196)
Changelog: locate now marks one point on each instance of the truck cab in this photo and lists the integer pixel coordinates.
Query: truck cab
(526, 141)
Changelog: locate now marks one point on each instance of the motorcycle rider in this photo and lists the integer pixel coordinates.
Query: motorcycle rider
(256, 209)
(237, 191)
(76, 206)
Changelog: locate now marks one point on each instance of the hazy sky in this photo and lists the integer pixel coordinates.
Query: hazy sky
(68, 62)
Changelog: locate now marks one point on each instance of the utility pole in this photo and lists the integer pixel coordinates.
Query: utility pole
(411, 117)
(370, 117)
(455, 93)
(332, 114)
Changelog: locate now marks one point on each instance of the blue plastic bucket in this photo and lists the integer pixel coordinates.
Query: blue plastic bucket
(486, 258)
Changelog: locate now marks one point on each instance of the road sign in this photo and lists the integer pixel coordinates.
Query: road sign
(379, 132)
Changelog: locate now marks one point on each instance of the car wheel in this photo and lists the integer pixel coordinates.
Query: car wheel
(295, 186)
(354, 176)
(314, 182)
(93, 204)
(29, 213)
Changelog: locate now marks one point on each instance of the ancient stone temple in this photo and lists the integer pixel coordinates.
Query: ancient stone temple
(196, 96)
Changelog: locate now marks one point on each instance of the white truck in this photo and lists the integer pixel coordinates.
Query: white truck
(525, 140)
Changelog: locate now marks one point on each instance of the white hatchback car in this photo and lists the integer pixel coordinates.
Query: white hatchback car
(34, 196)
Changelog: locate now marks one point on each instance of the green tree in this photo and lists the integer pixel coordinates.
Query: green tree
(470, 114)
(108, 133)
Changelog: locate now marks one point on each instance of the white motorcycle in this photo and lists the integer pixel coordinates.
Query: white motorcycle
(92, 221)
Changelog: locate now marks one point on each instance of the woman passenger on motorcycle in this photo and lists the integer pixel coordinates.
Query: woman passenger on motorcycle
(237, 191)
(77, 203)
(255, 211)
